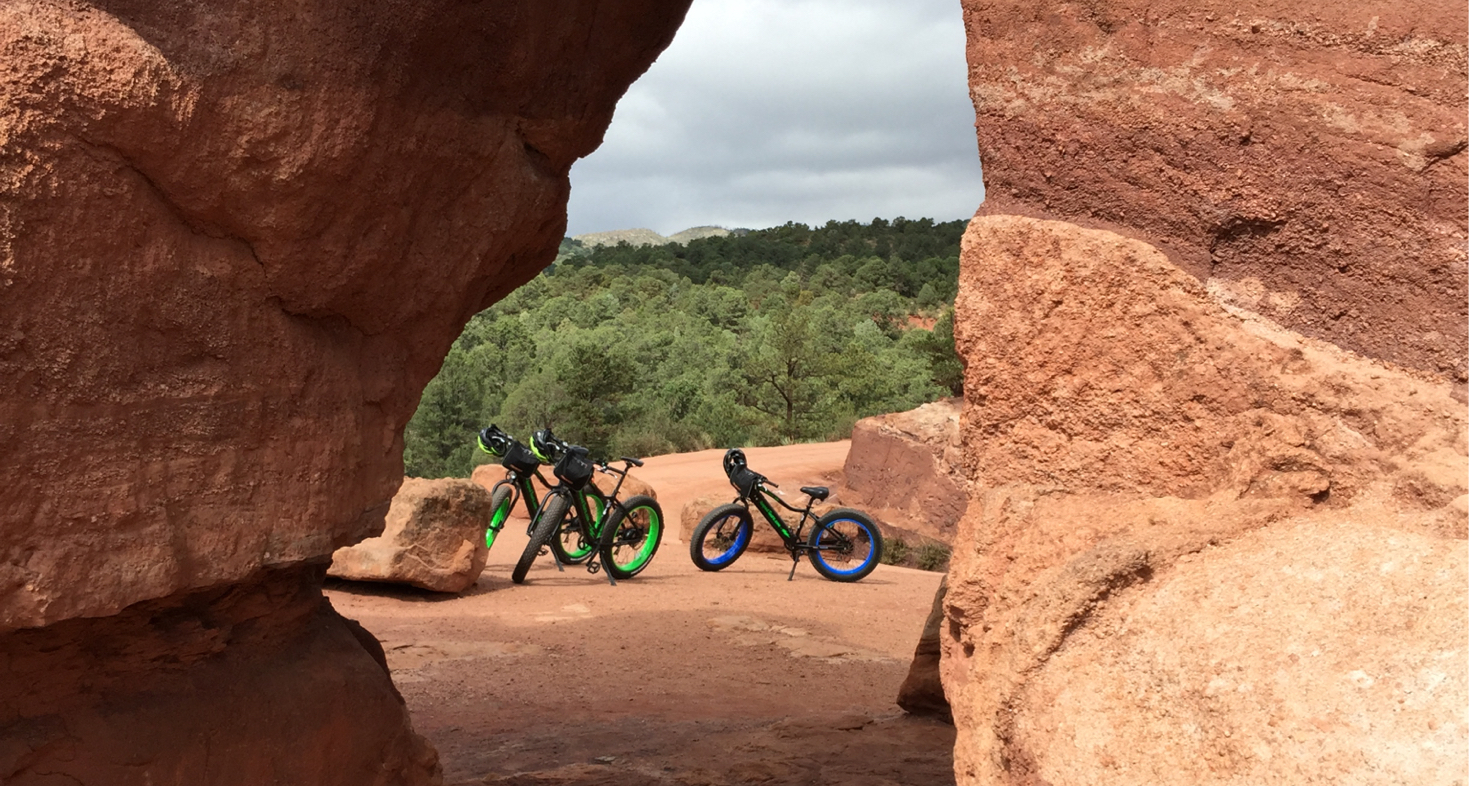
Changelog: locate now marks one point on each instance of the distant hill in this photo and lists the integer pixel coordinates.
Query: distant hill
(647, 237)
(697, 233)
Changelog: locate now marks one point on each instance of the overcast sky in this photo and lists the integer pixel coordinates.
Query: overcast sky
(767, 111)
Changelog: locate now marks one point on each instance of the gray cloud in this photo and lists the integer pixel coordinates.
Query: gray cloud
(767, 111)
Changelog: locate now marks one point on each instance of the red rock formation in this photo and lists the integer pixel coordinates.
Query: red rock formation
(905, 469)
(1197, 547)
(235, 241)
(433, 538)
(1306, 160)
(922, 691)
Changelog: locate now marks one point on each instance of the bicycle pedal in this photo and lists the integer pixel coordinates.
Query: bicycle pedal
(593, 568)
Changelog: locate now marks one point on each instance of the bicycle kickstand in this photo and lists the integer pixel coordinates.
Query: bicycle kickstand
(795, 561)
(593, 566)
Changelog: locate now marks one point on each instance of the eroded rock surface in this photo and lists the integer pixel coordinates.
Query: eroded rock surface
(261, 682)
(1307, 160)
(922, 691)
(906, 469)
(235, 242)
(433, 538)
(1195, 552)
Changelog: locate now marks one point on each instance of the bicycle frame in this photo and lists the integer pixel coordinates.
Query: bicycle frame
(761, 496)
(523, 486)
(582, 511)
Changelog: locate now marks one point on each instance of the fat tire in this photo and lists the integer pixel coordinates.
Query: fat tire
(743, 532)
(640, 504)
(504, 497)
(865, 525)
(545, 526)
(572, 524)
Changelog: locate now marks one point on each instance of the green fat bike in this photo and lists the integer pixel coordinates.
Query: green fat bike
(522, 469)
(623, 534)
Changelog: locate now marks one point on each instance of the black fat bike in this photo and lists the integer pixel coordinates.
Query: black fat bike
(624, 533)
(843, 545)
(522, 469)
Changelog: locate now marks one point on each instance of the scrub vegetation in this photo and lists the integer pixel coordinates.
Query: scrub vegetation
(763, 337)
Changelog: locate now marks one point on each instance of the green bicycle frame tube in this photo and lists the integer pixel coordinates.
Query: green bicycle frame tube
(758, 497)
(528, 493)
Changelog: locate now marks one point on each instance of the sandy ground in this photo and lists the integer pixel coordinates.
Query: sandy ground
(674, 677)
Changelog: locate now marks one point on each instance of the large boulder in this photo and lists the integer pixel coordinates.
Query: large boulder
(906, 468)
(433, 538)
(1199, 548)
(236, 240)
(1307, 160)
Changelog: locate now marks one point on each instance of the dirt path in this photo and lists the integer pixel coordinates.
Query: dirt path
(675, 677)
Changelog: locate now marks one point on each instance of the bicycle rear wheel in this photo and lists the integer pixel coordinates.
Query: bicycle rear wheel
(845, 545)
(631, 535)
(544, 527)
(721, 537)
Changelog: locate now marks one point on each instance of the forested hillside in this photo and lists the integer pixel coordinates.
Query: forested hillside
(762, 337)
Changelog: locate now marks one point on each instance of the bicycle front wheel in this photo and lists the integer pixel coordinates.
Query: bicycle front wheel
(500, 504)
(721, 537)
(544, 527)
(575, 542)
(845, 545)
(631, 535)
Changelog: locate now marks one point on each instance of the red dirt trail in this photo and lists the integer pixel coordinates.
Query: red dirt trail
(674, 677)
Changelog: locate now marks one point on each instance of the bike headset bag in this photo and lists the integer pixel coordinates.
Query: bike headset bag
(744, 481)
(575, 469)
(520, 459)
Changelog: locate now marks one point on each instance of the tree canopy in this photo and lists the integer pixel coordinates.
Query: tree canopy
(762, 337)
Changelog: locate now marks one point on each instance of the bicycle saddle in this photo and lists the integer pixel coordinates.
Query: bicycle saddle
(817, 493)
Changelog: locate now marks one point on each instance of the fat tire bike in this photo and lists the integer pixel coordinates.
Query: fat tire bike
(843, 545)
(522, 468)
(623, 534)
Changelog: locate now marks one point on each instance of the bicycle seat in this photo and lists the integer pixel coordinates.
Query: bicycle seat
(817, 493)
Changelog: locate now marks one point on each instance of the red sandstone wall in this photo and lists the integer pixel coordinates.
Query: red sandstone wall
(1307, 160)
(236, 240)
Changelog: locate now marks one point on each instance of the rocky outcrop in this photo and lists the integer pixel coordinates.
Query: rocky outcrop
(1306, 161)
(433, 538)
(1194, 550)
(235, 241)
(922, 691)
(905, 469)
(259, 682)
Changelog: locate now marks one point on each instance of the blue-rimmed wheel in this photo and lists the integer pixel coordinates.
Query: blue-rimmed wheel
(721, 537)
(845, 545)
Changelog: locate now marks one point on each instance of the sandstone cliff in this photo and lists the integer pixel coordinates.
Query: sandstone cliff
(1200, 548)
(1307, 160)
(235, 241)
